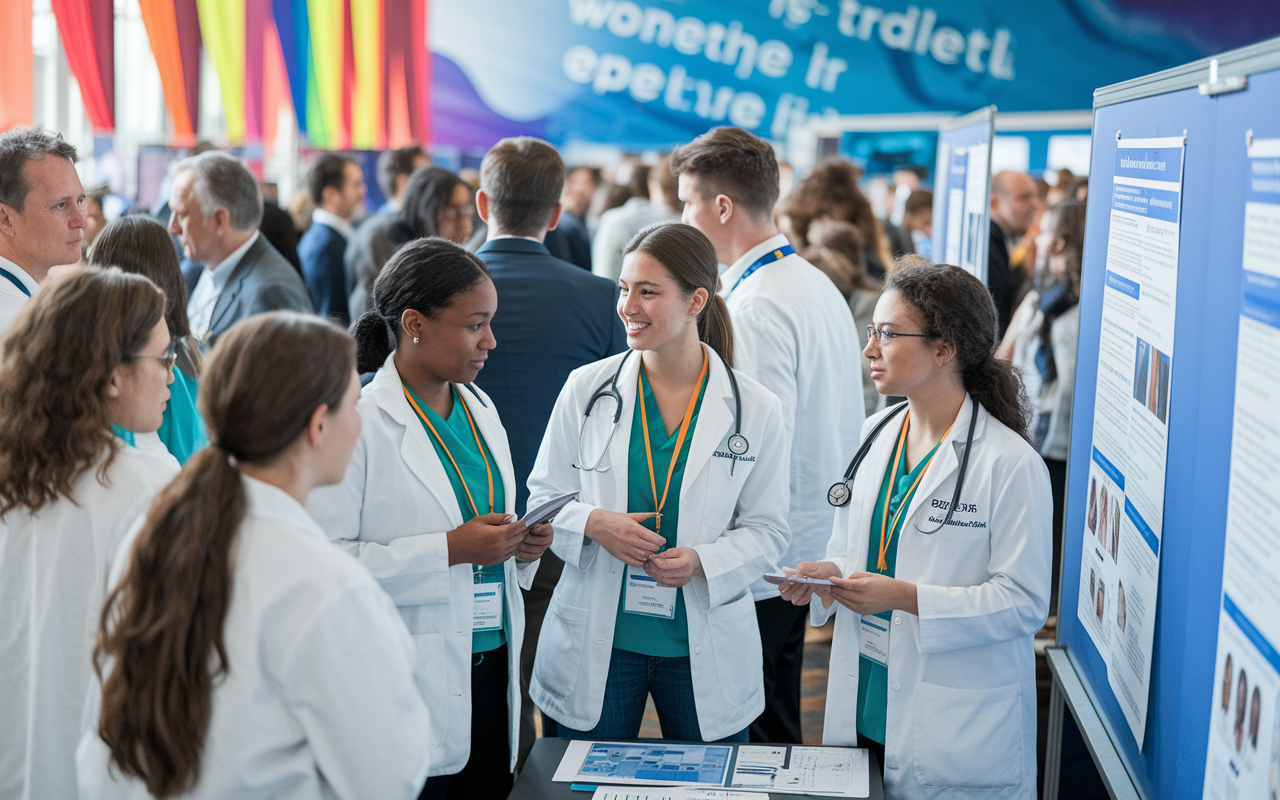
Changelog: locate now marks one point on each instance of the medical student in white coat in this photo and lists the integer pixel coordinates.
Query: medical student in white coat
(88, 352)
(661, 604)
(240, 654)
(939, 556)
(426, 505)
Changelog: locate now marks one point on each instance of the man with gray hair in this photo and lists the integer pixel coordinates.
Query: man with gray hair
(216, 209)
(42, 214)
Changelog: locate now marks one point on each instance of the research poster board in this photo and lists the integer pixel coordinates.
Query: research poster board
(1244, 744)
(962, 192)
(1120, 548)
(1216, 591)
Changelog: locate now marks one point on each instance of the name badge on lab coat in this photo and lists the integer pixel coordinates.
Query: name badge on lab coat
(486, 607)
(645, 596)
(874, 641)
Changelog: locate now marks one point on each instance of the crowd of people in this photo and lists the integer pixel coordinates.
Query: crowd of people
(263, 495)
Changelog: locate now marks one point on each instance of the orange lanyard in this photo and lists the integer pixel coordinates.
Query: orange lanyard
(684, 429)
(881, 564)
(479, 446)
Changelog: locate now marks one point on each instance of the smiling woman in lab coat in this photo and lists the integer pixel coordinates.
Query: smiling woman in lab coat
(661, 605)
(240, 654)
(932, 663)
(426, 505)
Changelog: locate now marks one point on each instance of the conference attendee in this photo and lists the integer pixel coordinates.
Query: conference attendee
(794, 334)
(240, 654)
(42, 214)
(939, 556)
(370, 248)
(657, 203)
(830, 191)
(570, 240)
(1015, 204)
(426, 506)
(681, 466)
(94, 354)
(336, 184)
(136, 243)
(917, 220)
(95, 218)
(277, 227)
(553, 318)
(216, 208)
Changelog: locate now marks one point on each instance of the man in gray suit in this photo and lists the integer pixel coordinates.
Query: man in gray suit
(216, 209)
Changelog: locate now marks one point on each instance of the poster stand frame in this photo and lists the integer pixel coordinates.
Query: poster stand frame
(987, 115)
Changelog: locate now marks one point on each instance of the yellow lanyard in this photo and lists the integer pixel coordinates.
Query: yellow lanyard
(479, 446)
(684, 429)
(881, 564)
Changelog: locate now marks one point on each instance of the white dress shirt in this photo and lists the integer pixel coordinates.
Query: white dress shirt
(12, 299)
(617, 227)
(204, 299)
(334, 221)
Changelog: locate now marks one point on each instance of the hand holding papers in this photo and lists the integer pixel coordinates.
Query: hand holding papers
(778, 580)
(548, 510)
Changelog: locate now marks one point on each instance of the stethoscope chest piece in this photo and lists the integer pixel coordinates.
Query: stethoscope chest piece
(838, 495)
(738, 444)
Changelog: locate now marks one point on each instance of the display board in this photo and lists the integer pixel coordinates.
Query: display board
(962, 192)
(1198, 397)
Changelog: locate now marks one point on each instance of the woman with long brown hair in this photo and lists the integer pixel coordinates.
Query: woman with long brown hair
(89, 351)
(138, 244)
(830, 191)
(239, 653)
(681, 468)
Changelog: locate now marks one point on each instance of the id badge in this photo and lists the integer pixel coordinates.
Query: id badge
(645, 596)
(874, 641)
(486, 607)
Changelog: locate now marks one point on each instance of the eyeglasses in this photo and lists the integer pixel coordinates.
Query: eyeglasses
(883, 335)
(456, 212)
(169, 358)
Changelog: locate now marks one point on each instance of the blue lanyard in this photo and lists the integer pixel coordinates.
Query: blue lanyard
(767, 258)
(22, 287)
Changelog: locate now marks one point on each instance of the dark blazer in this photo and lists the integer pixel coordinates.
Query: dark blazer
(570, 241)
(1001, 279)
(321, 250)
(262, 281)
(553, 317)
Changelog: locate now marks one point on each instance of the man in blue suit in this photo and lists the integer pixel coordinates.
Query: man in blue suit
(336, 185)
(553, 317)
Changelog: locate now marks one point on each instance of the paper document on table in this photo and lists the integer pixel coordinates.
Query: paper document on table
(834, 771)
(671, 793)
(644, 763)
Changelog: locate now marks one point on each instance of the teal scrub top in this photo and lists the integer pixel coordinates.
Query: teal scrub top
(637, 633)
(461, 443)
(873, 679)
(182, 431)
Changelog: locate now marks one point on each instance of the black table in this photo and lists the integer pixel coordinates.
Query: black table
(535, 779)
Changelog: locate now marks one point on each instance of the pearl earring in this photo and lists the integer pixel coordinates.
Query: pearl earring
(415, 340)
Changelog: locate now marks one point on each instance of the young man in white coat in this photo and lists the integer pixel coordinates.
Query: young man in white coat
(793, 333)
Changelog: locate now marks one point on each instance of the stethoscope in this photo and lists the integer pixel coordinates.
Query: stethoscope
(737, 443)
(840, 493)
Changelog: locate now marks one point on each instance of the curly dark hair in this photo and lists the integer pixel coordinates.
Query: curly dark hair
(957, 308)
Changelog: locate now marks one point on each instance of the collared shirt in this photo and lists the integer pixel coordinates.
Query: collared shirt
(12, 299)
(508, 236)
(204, 298)
(333, 221)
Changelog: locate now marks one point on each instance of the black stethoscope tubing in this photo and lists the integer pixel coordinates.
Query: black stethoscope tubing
(841, 493)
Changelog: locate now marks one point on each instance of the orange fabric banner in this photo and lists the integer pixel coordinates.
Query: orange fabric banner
(17, 65)
(162, 31)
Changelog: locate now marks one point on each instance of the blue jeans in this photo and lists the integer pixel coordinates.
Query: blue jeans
(632, 678)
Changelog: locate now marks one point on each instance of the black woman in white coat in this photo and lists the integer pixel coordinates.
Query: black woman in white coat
(427, 506)
(933, 663)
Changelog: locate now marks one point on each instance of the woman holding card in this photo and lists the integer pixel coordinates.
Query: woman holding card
(426, 505)
(940, 554)
(683, 473)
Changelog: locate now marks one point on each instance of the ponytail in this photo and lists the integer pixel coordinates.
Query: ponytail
(957, 308)
(424, 275)
(160, 644)
(690, 258)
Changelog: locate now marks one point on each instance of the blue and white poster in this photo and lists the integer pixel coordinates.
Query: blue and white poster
(1120, 566)
(1243, 757)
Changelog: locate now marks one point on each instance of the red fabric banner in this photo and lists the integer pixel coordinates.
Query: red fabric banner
(87, 28)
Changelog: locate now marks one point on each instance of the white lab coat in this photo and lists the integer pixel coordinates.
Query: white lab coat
(792, 332)
(319, 700)
(737, 523)
(12, 299)
(53, 579)
(393, 511)
(961, 714)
